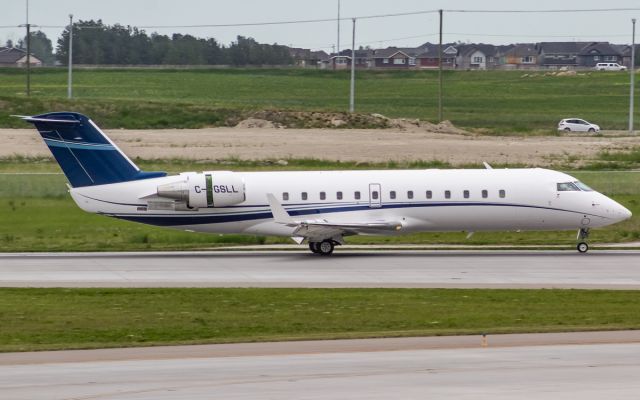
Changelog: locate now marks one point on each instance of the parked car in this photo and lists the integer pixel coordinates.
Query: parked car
(610, 67)
(577, 125)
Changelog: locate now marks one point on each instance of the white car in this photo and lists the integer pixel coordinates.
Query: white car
(577, 125)
(610, 67)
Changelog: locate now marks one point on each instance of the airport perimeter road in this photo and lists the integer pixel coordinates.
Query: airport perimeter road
(595, 371)
(445, 269)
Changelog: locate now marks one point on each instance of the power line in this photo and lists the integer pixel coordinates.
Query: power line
(362, 17)
(544, 11)
(515, 35)
(289, 22)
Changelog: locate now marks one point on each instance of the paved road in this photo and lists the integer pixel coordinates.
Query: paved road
(447, 269)
(594, 371)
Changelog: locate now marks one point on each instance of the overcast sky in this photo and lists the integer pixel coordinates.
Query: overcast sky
(398, 31)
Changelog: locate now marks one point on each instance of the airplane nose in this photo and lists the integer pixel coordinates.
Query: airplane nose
(624, 213)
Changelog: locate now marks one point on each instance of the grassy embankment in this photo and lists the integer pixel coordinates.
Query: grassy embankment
(43, 319)
(38, 214)
(492, 101)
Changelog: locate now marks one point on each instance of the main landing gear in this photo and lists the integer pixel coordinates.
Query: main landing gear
(583, 235)
(323, 248)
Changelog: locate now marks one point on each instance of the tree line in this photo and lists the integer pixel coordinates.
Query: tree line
(95, 43)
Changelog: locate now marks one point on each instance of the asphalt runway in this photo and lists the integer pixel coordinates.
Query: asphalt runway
(611, 269)
(563, 371)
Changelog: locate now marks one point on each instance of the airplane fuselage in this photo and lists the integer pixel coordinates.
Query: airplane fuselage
(421, 200)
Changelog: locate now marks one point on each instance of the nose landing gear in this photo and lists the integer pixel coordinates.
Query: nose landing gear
(583, 235)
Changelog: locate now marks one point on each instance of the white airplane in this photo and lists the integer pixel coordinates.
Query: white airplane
(319, 207)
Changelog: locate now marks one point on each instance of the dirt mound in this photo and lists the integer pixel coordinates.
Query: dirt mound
(447, 126)
(257, 123)
(311, 119)
(341, 120)
(416, 125)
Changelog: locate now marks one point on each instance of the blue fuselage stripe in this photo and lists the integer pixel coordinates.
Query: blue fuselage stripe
(200, 219)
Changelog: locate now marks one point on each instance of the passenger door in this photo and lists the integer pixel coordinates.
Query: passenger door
(375, 195)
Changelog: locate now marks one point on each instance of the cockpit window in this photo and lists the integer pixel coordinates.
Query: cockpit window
(582, 186)
(568, 187)
(576, 186)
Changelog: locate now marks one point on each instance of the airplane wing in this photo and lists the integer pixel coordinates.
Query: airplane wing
(320, 229)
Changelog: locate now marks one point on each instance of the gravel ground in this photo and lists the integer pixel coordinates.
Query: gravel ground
(335, 144)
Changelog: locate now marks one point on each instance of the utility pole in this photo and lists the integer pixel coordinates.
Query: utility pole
(28, 53)
(352, 93)
(338, 42)
(70, 63)
(632, 71)
(440, 71)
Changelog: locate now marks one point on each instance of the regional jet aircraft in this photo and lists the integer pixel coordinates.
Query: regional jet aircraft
(319, 207)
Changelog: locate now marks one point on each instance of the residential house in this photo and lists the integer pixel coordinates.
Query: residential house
(338, 61)
(429, 55)
(394, 57)
(520, 56)
(15, 57)
(597, 52)
(560, 54)
(306, 57)
(342, 60)
(626, 55)
(364, 58)
(479, 56)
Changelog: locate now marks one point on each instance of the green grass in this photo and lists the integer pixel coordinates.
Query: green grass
(51, 319)
(500, 101)
(37, 214)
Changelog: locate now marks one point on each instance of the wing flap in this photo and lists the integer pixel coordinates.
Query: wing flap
(324, 229)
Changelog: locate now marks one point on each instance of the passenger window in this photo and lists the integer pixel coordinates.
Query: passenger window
(410, 194)
(374, 195)
(465, 194)
(429, 194)
(323, 196)
(502, 193)
(485, 194)
(304, 195)
(392, 194)
(285, 196)
(357, 195)
(339, 195)
(447, 194)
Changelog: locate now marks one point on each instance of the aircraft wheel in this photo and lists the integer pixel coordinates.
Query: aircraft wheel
(325, 247)
(582, 247)
(313, 246)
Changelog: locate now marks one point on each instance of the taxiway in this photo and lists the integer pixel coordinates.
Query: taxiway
(611, 269)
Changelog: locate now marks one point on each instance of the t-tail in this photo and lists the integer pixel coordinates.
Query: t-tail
(85, 154)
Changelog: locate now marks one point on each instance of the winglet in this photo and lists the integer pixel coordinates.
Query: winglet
(279, 213)
(486, 165)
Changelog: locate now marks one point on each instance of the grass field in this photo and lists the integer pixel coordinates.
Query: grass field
(48, 319)
(500, 101)
(37, 214)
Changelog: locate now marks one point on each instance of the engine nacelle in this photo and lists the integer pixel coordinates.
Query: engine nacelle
(206, 189)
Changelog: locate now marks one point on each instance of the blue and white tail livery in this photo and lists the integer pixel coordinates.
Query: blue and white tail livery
(320, 207)
(85, 154)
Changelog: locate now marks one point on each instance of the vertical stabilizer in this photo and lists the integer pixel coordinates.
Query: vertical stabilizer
(85, 154)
